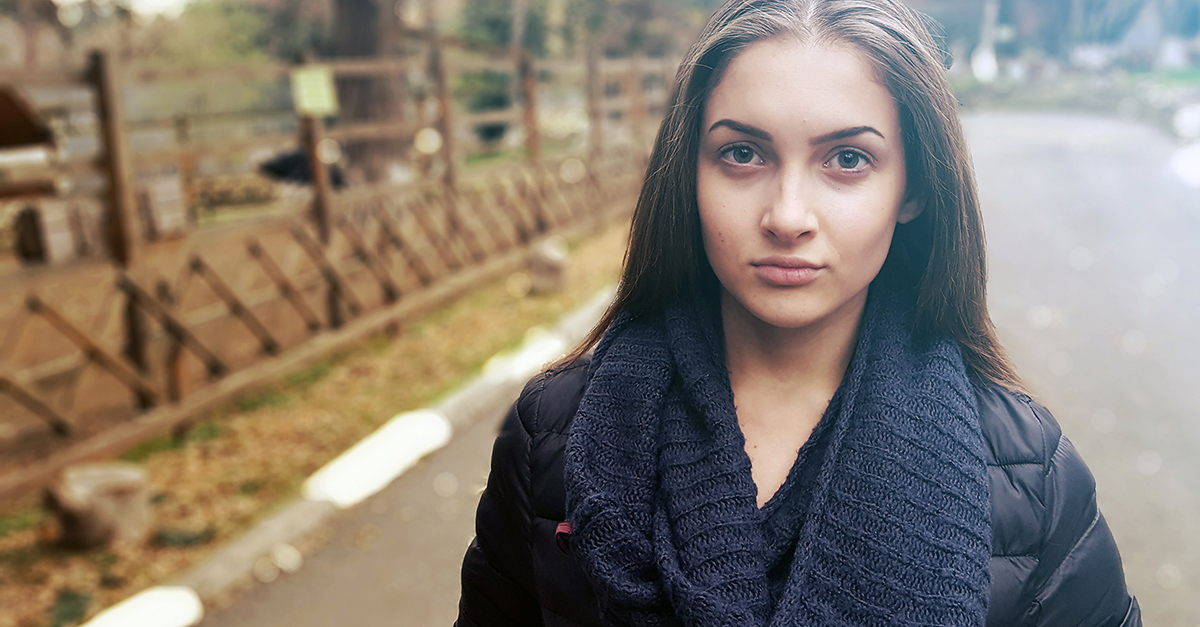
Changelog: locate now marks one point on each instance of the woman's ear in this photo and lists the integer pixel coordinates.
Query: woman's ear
(912, 207)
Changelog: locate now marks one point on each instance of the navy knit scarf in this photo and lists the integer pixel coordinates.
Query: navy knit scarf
(895, 528)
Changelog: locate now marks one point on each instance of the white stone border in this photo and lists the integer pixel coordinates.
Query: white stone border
(162, 606)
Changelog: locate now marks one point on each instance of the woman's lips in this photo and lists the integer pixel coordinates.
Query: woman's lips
(786, 271)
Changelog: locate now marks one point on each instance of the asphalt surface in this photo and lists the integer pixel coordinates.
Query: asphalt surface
(1095, 288)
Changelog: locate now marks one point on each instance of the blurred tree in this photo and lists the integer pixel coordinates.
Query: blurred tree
(208, 32)
(490, 23)
(295, 27)
(653, 27)
(370, 28)
(231, 31)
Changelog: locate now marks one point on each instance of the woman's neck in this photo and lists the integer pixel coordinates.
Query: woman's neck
(783, 381)
(807, 361)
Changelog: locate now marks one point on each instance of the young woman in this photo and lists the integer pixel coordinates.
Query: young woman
(797, 411)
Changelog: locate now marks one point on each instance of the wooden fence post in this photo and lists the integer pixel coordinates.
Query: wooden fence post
(595, 98)
(312, 132)
(441, 82)
(122, 236)
(637, 101)
(527, 74)
(121, 208)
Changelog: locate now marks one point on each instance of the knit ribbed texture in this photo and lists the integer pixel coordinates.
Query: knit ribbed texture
(890, 527)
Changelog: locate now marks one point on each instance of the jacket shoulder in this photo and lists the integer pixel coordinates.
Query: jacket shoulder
(546, 409)
(1016, 430)
(549, 401)
(1054, 559)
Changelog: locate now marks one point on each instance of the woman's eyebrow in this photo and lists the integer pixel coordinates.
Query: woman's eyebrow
(744, 129)
(844, 134)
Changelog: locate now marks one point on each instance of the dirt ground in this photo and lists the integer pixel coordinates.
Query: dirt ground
(240, 462)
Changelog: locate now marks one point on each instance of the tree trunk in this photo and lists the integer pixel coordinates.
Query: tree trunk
(370, 28)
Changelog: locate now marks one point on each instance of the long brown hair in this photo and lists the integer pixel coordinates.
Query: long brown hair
(939, 256)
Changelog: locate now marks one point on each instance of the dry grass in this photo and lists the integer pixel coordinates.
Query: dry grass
(238, 463)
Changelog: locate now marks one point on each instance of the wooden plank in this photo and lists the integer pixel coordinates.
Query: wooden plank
(484, 209)
(286, 288)
(174, 327)
(95, 352)
(495, 221)
(16, 327)
(412, 257)
(497, 116)
(387, 284)
(150, 73)
(449, 224)
(444, 122)
(464, 228)
(554, 192)
(595, 98)
(276, 142)
(523, 216)
(338, 286)
(198, 118)
(123, 240)
(236, 306)
(636, 81)
(373, 130)
(26, 189)
(531, 192)
(47, 372)
(311, 133)
(60, 77)
(27, 398)
(462, 65)
(436, 236)
(528, 88)
(368, 66)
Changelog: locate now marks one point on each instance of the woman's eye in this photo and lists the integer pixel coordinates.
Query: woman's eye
(741, 155)
(851, 160)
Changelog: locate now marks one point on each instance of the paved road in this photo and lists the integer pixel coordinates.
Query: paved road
(1096, 290)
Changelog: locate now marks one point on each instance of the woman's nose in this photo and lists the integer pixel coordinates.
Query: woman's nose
(790, 215)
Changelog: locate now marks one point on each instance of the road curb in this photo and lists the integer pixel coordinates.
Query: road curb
(360, 472)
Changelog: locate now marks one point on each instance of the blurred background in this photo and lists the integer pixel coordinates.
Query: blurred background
(239, 236)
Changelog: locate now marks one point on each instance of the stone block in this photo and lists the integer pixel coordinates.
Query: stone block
(548, 265)
(101, 504)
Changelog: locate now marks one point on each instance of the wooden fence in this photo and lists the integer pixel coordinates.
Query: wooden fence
(97, 356)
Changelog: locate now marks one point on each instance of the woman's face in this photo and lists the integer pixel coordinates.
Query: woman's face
(800, 183)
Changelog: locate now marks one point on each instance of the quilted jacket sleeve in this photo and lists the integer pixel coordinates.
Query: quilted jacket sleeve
(1079, 572)
(497, 574)
(1054, 559)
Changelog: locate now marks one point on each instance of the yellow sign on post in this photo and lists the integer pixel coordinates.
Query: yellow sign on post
(313, 92)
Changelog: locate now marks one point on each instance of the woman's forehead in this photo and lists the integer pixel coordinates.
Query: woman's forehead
(802, 87)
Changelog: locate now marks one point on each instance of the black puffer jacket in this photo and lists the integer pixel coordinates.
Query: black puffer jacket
(1054, 560)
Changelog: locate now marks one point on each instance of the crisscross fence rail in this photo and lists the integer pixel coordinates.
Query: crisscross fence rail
(97, 357)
